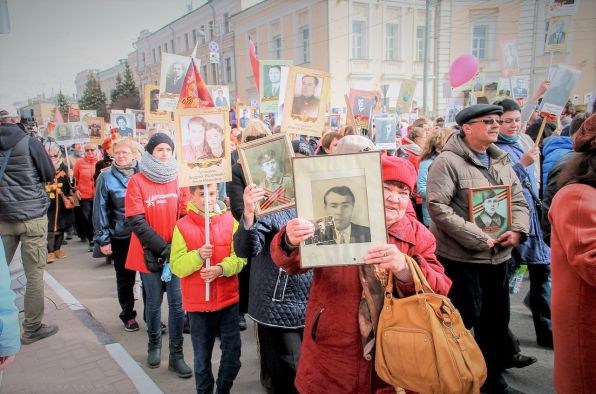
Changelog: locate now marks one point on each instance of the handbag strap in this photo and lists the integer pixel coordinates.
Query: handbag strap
(420, 283)
(488, 175)
(5, 163)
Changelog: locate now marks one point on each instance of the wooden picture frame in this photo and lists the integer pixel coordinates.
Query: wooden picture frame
(326, 183)
(490, 209)
(271, 155)
(152, 113)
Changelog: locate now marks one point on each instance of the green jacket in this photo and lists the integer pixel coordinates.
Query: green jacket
(452, 173)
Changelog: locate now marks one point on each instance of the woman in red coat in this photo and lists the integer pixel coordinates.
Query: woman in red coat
(83, 172)
(337, 349)
(573, 248)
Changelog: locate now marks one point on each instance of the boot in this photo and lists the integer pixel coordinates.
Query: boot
(51, 258)
(154, 350)
(177, 363)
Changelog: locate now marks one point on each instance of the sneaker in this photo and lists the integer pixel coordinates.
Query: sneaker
(59, 254)
(131, 325)
(65, 242)
(242, 323)
(42, 332)
(90, 248)
(51, 257)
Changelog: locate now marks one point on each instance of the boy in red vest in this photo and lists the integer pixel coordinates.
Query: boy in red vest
(218, 315)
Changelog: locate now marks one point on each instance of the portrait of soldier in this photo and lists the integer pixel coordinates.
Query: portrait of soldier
(273, 81)
(489, 220)
(307, 103)
(175, 78)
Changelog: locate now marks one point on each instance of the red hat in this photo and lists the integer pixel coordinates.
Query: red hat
(400, 170)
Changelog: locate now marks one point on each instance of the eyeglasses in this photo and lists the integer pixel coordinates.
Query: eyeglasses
(89, 150)
(54, 156)
(487, 122)
(122, 152)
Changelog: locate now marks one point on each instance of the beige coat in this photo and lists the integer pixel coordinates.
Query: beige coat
(450, 176)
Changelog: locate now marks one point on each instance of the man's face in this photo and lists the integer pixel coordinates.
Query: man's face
(481, 133)
(269, 167)
(490, 205)
(140, 117)
(121, 123)
(178, 70)
(360, 102)
(220, 93)
(321, 226)
(341, 208)
(308, 86)
(274, 74)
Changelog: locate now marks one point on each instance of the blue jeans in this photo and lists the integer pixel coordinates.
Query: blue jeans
(204, 326)
(539, 297)
(153, 287)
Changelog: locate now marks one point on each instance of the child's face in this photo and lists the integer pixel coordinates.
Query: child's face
(198, 199)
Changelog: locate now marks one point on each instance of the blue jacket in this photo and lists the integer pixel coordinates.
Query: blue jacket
(275, 298)
(533, 250)
(554, 148)
(421, 187)
(108, 206)
(10, 330)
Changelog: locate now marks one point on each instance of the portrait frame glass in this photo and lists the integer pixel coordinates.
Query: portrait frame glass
(130, 122)
(154, 116)
(495, 198)
(251, 115)
(207, 169)
(324, 183)
(277, 147)
(226, 95)
(267, 102)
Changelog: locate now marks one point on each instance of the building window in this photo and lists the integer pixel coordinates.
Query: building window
(359, 47)
(214, 73)
(154, 57)
(277, 47)
(391, 41)
(228, 65)
(194, 37)
(172, 45)
(165, 46)
(186, 43)
(144, 63)
(420, 43)
(211, 30)
(202, 34)
(479, 41)
(159, 53)
(204, 72)
(226, 19)
(305, 44)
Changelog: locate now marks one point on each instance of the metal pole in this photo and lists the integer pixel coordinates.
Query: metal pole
(206, 213)
(426, 57)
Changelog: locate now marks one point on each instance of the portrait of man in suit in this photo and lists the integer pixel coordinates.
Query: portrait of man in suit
(339, 202)
(244, 118)
(220, 99)
(519, 91)
(385, 132)
(154, 102)
(557, 35)
(362, 106)
(175, 78)
(273, 81)
(307, 103)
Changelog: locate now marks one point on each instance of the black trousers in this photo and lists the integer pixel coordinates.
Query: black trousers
(481, 294)
(280, 351)
(84, 220)
(125, 279)
(55, 241)
(243, 286)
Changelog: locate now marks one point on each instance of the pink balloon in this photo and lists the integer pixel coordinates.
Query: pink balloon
(463, 69)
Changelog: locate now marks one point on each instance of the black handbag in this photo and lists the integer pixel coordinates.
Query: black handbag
(153, 263)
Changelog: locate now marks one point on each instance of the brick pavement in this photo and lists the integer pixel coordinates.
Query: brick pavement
(71, 361)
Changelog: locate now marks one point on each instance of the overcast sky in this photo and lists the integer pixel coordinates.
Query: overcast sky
(52, 40)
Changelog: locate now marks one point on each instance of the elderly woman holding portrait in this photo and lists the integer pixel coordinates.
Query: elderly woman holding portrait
(338, 331)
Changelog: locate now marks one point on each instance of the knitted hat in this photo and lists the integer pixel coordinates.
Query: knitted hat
(400, 170)
(156, 139)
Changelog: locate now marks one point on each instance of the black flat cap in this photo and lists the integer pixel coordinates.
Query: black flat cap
(476, 111)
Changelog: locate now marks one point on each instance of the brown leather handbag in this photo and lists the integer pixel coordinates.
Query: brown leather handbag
(422, 344)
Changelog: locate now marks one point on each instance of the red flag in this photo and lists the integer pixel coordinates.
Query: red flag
(58, 116)
(194, 92)
(254, 62)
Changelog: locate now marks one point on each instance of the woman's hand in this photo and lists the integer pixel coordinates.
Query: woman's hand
(252, 195)
(209, 274)
(106, 249)
(531, 156)
(389, 258)
(299, 230)
(205, 251)
(542, 88)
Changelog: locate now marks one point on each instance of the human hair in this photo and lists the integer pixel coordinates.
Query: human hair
(417, 132)
(349, 130)
(329, 138)
(255, 128)
(435, 144)
(120, 117)
(125, 142)
(398, 184)
(420, 122)
(274, 66)
(198, 119)
(576, 123)
(440, 121)
(342, 191)
(507, 105)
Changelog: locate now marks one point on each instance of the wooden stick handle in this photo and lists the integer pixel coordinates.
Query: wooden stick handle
(540, 132)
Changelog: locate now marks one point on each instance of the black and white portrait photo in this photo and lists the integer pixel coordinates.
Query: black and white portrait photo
(124, 123)
(324, 232)
(520, 87)
(306, 103)
(385, 131)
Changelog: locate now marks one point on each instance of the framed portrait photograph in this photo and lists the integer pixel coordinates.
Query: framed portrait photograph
(244, 114)
(173, 72)
(349, 189)
(220, 95)
(271, 81)
(96, 129)
(405, 97)
(490, 208)
(124, 123)
(385, 131)
(305, 102)
(478, 86)
(152, 112)
(333, 120)
(139, 118)
(80, 133)
(556, 37)
(87, 113)
(63, 134)
(520, 87)
(562, 82)
(267, 162)
(202, 146)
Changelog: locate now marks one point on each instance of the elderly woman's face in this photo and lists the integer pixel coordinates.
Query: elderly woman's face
(396, 202)
(122, 155)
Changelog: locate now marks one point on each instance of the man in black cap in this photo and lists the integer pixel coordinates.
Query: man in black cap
(475, 262)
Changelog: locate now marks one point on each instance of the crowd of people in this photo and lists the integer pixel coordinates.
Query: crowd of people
(316, 327)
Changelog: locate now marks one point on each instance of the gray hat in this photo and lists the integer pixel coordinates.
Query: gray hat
(4, 114)
(475, 111)
(354, 144)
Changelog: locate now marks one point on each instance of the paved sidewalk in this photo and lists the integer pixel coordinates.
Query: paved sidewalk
(74, 360)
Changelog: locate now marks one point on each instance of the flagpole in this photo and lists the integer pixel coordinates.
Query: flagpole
(206, 211)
